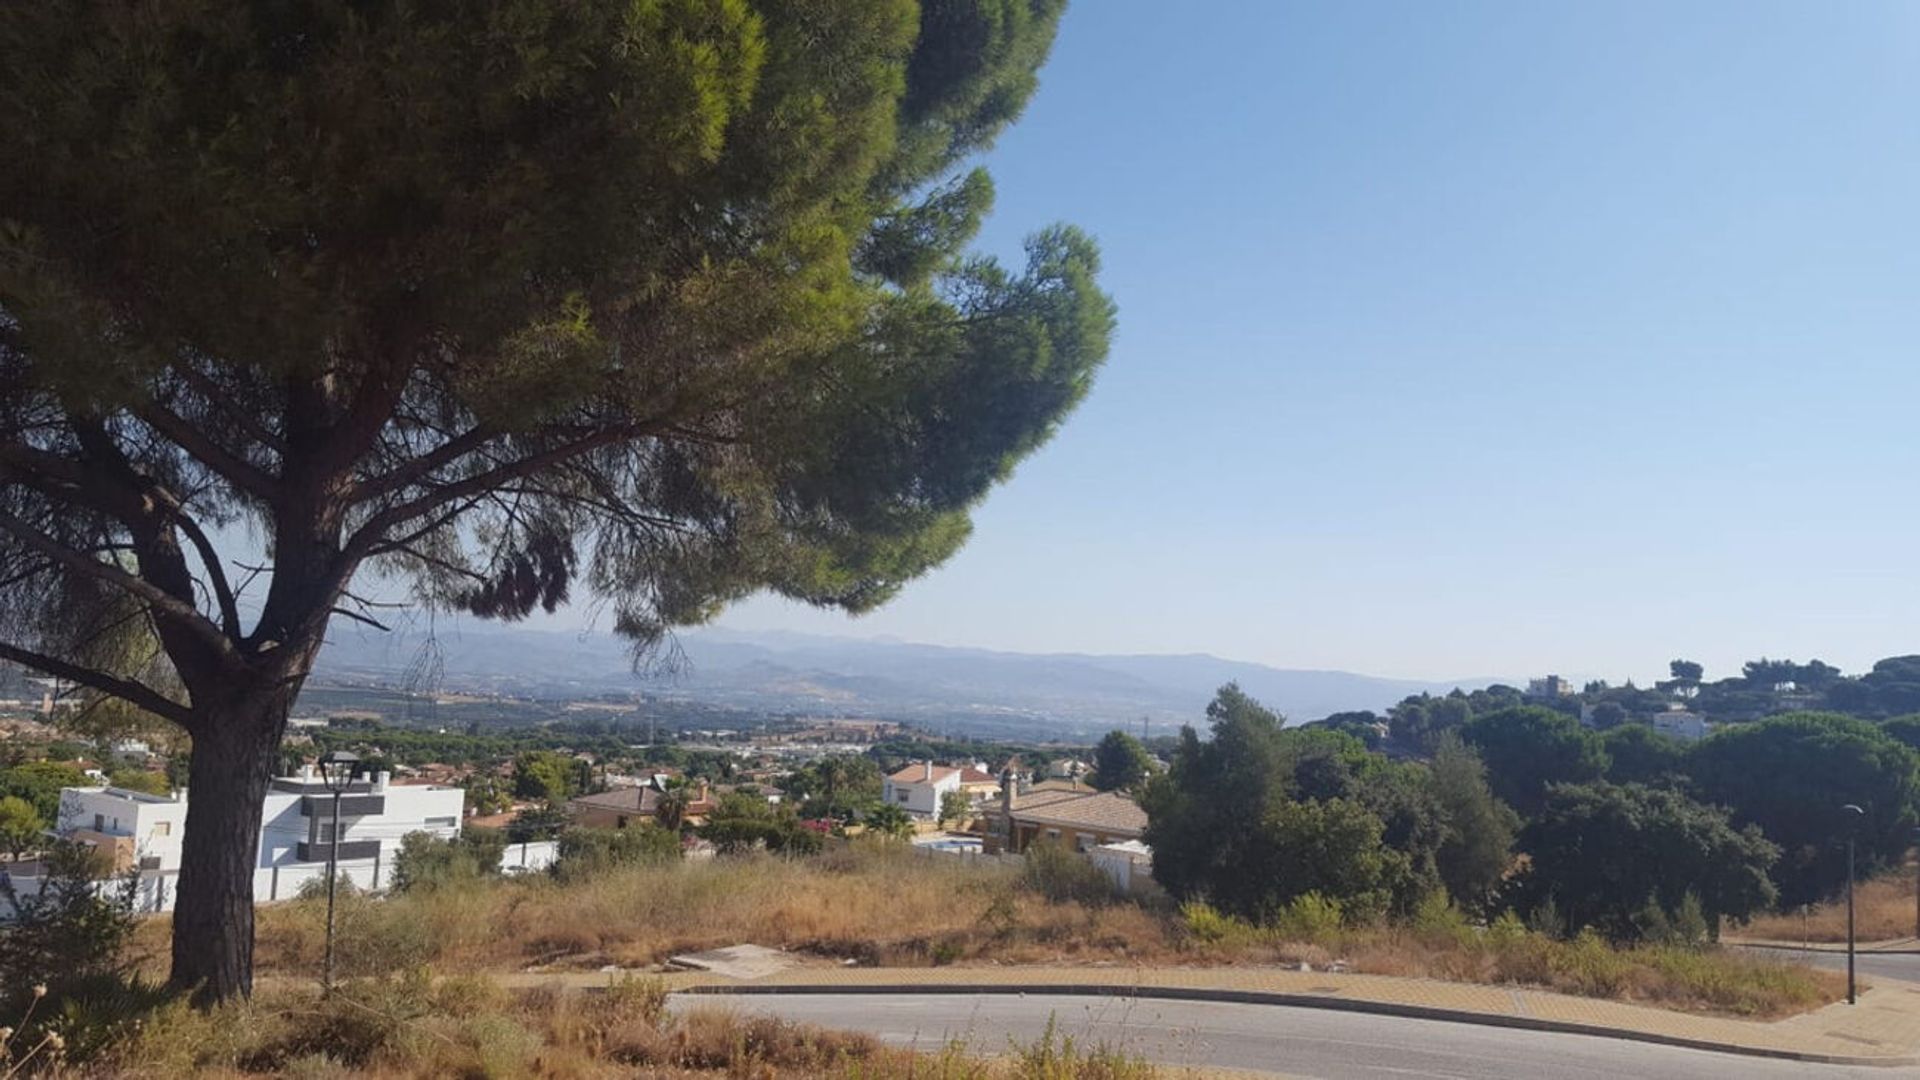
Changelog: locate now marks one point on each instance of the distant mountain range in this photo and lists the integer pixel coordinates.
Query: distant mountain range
(933, 685)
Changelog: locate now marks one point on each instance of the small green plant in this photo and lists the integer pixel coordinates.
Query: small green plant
(1546, 919)
(1437, 920)
(1058, 1056)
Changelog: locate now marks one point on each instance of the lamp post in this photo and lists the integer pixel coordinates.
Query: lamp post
(337, 771)
(1853, 815)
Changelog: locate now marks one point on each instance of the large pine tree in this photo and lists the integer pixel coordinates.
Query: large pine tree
(663, 298)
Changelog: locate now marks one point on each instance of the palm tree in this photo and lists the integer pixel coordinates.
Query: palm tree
(671, 810)
(889, 820)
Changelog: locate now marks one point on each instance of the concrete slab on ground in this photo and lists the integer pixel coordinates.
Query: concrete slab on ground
(735, 962)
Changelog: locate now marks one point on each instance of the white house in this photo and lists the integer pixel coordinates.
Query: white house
(134, 826)
(297, 832)
(1689, 726)
(918, 787)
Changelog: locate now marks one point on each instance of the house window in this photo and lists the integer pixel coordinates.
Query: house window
(323, 833)
(1083, 842)
(99, 823)
(904, 796)
(1053, 834)
(439, 823)
(163, 828)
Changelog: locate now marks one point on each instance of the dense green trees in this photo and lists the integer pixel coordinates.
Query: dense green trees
(1527, 748)
(836, 786)
(1602, 852)
(543, 775)
(1120, 763)
(1259, 814)
(1477, 848)
(743, 822)
(1637, 754)
(1626, 832)
(669, 302)
(39, 783)
(1791, 774)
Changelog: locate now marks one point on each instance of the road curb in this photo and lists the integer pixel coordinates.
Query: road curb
(1309, 1001)
(1823, 948)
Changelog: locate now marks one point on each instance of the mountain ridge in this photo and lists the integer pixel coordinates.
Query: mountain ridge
(785, 671)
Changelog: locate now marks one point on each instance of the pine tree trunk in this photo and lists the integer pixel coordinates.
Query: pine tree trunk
(232, 763)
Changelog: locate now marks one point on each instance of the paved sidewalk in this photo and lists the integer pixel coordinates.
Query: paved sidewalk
(1883, 1029)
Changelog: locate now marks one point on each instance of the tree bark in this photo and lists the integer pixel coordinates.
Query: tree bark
(235, 750)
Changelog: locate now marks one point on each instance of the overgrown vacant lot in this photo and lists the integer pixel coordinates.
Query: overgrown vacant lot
(414, 1026)
(1883, 910)
(882, 905)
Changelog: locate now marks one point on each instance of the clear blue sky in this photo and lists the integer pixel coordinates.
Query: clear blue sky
(1468, 339)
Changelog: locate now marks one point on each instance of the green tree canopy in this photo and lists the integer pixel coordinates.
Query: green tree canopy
(509, 300)
(22, 829)
(1255, 799)
(1906, 729)
(39, 783)
(543, 775)
(1476, 850)
(1600, 852)
(1120, 762)
(1527, 748)
(1638, 754)
(1791, 774)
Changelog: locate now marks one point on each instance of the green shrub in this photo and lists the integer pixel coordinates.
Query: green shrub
(426, 861)
(1592, 966)
(1062, 874)
(1438, 921)
(585, 853)
(1310, 917)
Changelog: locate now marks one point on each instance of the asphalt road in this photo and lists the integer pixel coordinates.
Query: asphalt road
(1903, 966)
(1276, 1039)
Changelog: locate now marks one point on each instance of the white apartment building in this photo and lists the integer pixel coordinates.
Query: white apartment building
(296, 831)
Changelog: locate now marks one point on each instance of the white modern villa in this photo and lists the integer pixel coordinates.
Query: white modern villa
(296, 833)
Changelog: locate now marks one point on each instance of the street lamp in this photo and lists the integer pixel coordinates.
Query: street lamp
(337, 771)
(1854, 814)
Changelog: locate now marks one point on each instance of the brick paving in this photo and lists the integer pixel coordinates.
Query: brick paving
(1883, 1029)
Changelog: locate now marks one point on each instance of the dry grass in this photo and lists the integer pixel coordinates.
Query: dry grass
(415, 1026)
(879, 905)
(1883, 910)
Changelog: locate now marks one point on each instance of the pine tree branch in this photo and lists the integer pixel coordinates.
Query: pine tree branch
(131, 691)
(238, 471)
(158, 599)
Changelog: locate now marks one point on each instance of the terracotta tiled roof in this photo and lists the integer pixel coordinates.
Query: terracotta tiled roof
(634, 800)
(1107, 812)
(916, 773)
(971, 775)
